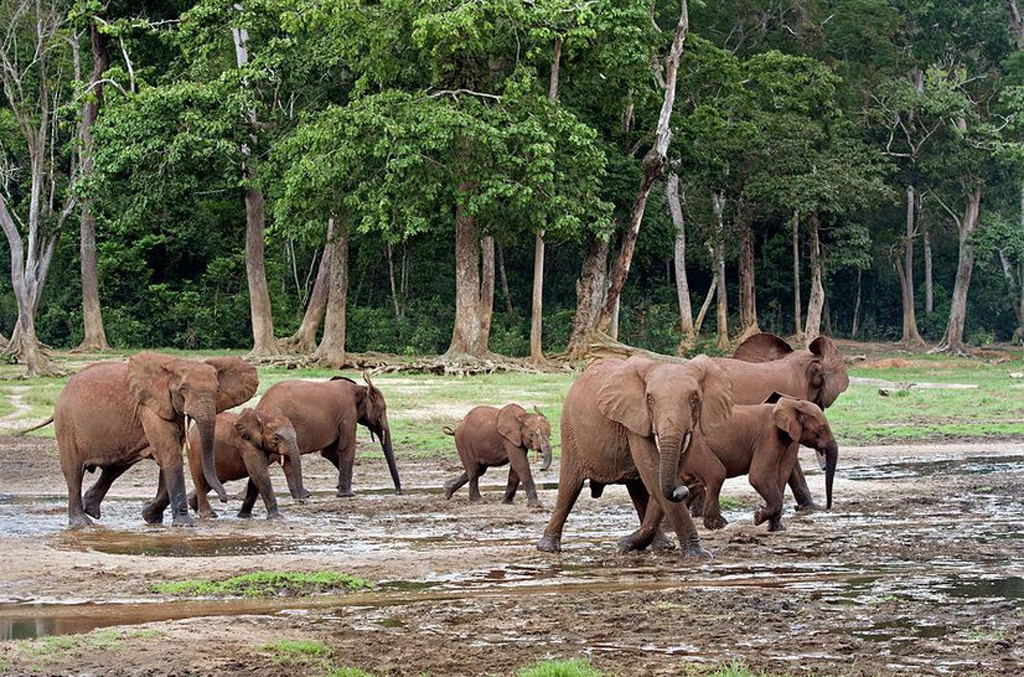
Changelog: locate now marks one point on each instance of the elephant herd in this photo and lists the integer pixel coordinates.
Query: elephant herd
(671, 432)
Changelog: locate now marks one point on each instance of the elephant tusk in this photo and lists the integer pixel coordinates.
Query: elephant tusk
(686, 441)
(657, 442)
(188, 422)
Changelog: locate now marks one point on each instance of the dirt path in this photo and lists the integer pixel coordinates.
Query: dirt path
(917, 570)
(16, 417)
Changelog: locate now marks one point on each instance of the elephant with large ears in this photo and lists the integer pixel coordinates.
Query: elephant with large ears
(761, 441)
(325, 414)
(110, 415)
(488, 437)
(633, 422)
(765, 363)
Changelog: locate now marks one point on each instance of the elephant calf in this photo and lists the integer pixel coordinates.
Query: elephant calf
(761, 440)
(488, 437)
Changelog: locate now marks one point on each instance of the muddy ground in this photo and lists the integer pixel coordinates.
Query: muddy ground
(917, 570)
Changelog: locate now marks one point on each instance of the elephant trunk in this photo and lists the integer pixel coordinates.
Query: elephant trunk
(205, 424)
(831, 459)
(546, 450)
(670, 453)
(389, 455)
(289, 450)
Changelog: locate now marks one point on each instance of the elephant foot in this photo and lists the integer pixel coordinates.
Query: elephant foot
(303, 496)
(193, 502)
(79, 521)
(533, 505)
(508, 501)
(776, 525)
(763, 514)
(275, 515)
(662, 541)
(715, 521)
(475, 498)
(694, 551)
(92, 509)
(244, 514)
(345, 493)
(550, 544)
(697, 509)
(809, 506)
(152, 514)
(210, 514)
(184, 520)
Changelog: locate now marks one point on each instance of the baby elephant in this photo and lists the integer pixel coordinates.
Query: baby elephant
(245, 444)
(762, 440)
(489, 437)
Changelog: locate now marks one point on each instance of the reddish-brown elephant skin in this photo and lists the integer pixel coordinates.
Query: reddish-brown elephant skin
(488, 437)
(765, 363)
(110, 415)
(761, 441)
(633, 422)
(324, 415)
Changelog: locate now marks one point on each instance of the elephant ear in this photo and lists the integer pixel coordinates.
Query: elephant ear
(149, 382)
(786, 418)
(237, 381)
(762, 348)
(510, 423)
(716, 393)
(623, 396)
(835, 380)
(249, 425)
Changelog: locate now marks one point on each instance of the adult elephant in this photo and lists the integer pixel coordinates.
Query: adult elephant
(632, 422)
(325, 414)
(765, 363)
(110, 415)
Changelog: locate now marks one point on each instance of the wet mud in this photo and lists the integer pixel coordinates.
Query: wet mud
(916, 570)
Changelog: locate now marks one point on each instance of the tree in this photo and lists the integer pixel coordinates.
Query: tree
(39, 172)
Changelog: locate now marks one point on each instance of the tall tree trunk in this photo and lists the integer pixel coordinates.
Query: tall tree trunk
(817, 301)
(682, 282)
(953, 341)
(255, 222)
(722, 316)
(653, 166)
(905, 270)
(391, 279)
(856, 307)
(504, 278)
(486, 310)
(797, 302)
(95, 338)
(590, 290)
(1016, 24)
(712, 288)
(304, 338)
(1013, 283)
(929, 288)
(331, 352)
(748, 297)
(468, 337)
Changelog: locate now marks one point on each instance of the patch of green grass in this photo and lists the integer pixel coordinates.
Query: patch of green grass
(266, 584)
(575, 667)
(732, 670)
(309, 653)
(349, 672)
(729, 503)
(53, 647)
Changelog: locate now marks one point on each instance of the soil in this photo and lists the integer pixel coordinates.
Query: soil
(916, 570)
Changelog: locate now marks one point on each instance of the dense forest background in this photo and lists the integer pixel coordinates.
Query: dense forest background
(840, 165)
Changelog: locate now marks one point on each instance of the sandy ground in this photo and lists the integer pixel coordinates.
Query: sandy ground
(916, 570)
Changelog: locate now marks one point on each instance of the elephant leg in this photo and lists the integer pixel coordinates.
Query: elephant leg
(570, 484)
(713, 477)
(645, 456)
(259, 477)
(453, 485)
(649, 534)
(153, 513)
(200, 501)
(343, 460)
(519, 459)
(801, 492)
(512, 486)
(73, 473)
(251, 494)
(474, 484)
(165, 439)
(771, 491)
(94, 496)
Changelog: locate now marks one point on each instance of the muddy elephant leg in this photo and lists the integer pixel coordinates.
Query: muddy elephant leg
(771, 491)
(165, 439)
(200, 501)
(94, 496)
(153, 513)
(649, 534)
(519, 459)
(512, 487)
(343, 460)
(251, 494)
(73, 472)
(645, 456)
(570, 484)
(453, 485)
(695, 501)
(713, 478)
(474, 484)
(259, 478)
(801, 492)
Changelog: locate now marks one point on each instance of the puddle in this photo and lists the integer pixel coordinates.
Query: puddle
(1011, 587)
(900, 631)
(960, 466)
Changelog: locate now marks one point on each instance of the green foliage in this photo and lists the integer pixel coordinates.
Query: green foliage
(267, 583)
(574, 667)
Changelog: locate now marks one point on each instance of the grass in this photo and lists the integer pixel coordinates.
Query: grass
(420, 405)
(574, 667)
(267, 584)
(310, 654)
(55, 647)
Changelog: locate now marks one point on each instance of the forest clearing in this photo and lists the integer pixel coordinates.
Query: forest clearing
(915, 569)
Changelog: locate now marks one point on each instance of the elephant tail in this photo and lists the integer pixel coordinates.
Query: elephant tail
(45, 423)
(448, 430)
